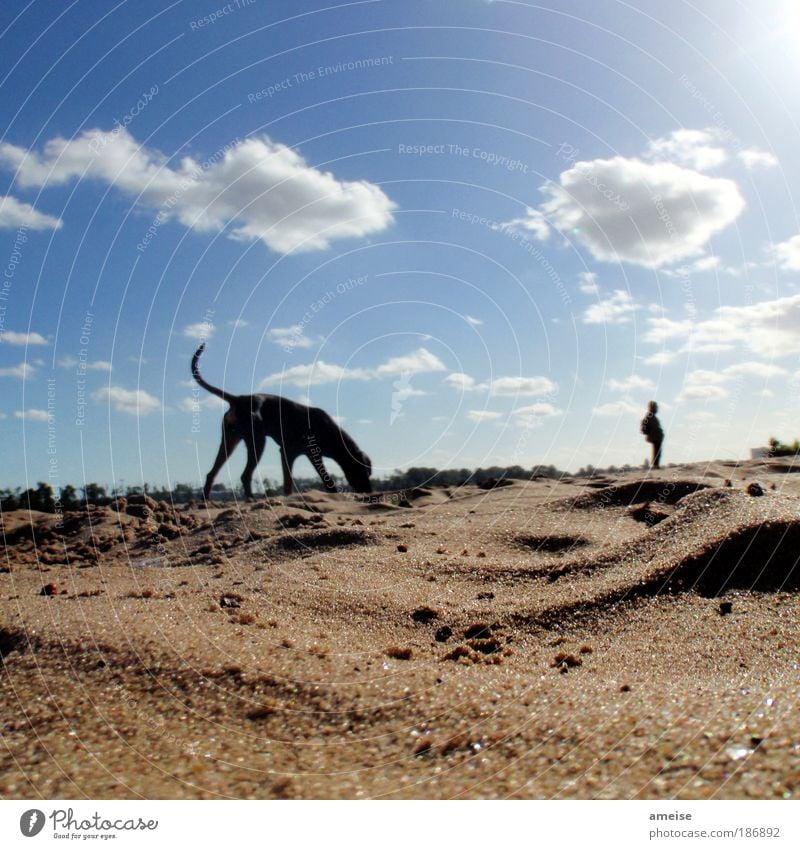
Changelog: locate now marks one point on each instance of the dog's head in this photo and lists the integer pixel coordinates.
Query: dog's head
(358, 472)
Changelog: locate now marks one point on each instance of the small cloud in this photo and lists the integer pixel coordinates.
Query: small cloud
(236, 323)
(587, 283)
(11, 337)
(532, 223)
(699, 392)
(695, 148)
(31, 415)
(787, 254)
(483, 415)
(314, 374)
(290, 337)
(616, 309)
(23, 371)
(754, 159)
(15, 214)
(421, 360)
(200, 330)
(631, 384)
(623, 407)
(72, 362)
(661, 358)
(134, 402)
(475, 322)
(533, 415)
(522, 386)
(459, 380)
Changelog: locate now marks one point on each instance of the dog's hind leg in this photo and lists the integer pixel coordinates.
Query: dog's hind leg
(255, 448)
(230, 439)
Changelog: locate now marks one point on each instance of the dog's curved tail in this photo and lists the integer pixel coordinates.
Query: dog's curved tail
(221, 393)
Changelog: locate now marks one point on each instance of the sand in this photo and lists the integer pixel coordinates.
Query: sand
(634, 637)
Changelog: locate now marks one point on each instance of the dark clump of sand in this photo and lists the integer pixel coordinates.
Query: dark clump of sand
(615, 638)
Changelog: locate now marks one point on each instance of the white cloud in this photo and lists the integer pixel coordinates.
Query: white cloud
(31, 415)
(587, 283)
(200, 330)
(662, 328)
(522, 386)
(755, 369)
(661, 358)
(259, 188)
(695, 148)
(15, 214)
(418, 362)
(538, 385)
(770, 329)
(95, 365)
(422, 360)
(787, 254)
(616, 309)
(532, 223)
(475, 322)
(483, 415)
(11, 337)
(699, 266)
(314, 374)
(631, 384)
(649, 214)
(238, 322)
(623, 407)
(135, 402)
(706, 385)
(533, 415)
(459, 380)
(290, 337)
(754, 159)
(700, 392)
(22, 370)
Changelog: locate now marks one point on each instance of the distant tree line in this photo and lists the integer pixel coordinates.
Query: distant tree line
(44, 499)
(783, 449)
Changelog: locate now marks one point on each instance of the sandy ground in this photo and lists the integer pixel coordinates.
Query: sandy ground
(540, 640)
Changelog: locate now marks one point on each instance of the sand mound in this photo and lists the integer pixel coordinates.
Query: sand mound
(635, 492)
(718, 540)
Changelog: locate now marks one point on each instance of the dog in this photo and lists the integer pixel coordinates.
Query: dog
(296, 428)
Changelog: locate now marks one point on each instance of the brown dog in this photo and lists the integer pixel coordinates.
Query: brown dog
(296, 428)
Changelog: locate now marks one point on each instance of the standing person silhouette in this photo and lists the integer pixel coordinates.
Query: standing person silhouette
(651, 428)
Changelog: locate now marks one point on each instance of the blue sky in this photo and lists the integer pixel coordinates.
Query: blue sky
(477, 232)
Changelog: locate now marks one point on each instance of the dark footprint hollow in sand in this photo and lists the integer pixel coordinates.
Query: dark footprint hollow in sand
(550, 544)
(323, 538)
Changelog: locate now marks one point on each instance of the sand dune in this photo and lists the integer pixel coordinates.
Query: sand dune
(609, 638)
